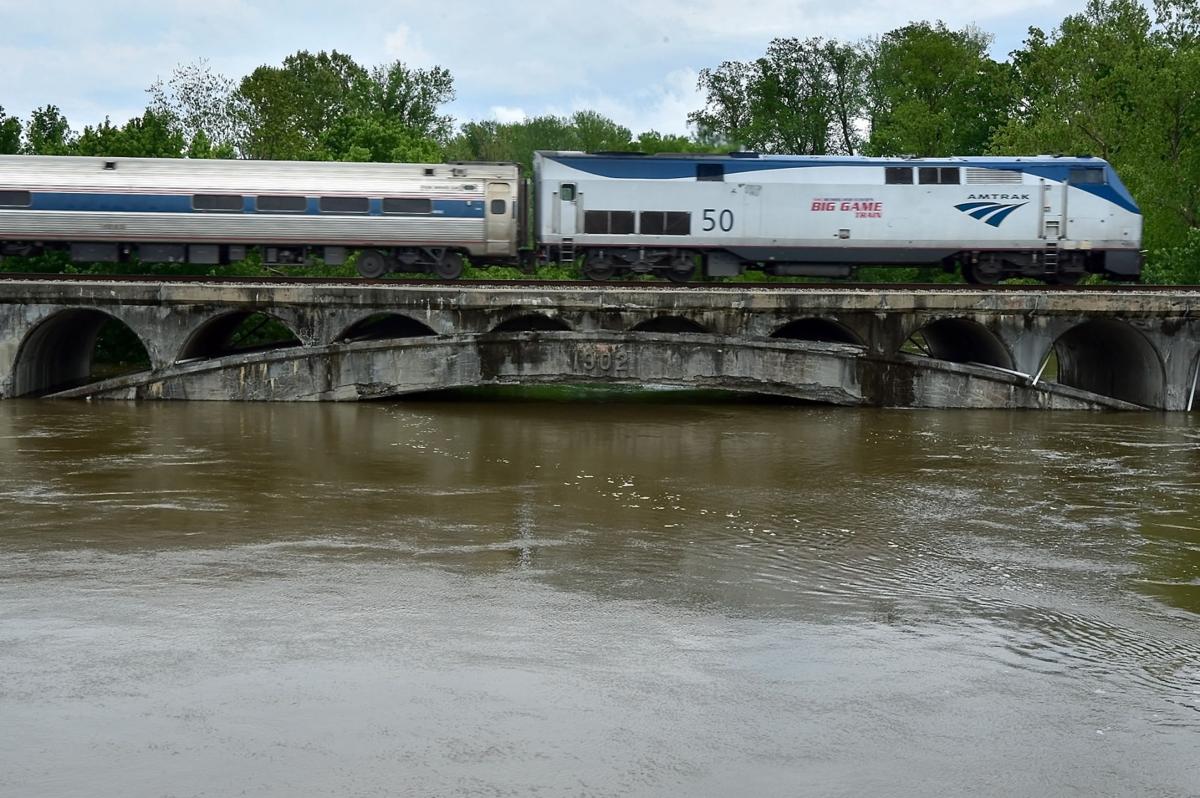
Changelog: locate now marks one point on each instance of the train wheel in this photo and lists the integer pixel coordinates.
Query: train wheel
(683, 268)
(449, 266)
(372, 264)
(597, 269)
(979, 274)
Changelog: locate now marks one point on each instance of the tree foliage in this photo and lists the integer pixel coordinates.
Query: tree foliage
(152, 135)
(803, 96)
(935, 91)
(328, 107)
(202, 103)
(1118, 82)
(48, 133)
(10, 134)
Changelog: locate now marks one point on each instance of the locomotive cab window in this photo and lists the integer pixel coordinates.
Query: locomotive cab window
(938, 175)
(344, 205)
(710, 171)
(407, 205)
(898, 175)
(499, 206)
(566, 192)
(15, 199)
(281, 204)
(1087, 176)
(217, 202)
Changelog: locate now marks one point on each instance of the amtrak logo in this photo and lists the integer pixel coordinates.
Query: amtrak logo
(992, 213)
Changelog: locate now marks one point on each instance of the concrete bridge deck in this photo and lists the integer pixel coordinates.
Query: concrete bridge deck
(854, 345)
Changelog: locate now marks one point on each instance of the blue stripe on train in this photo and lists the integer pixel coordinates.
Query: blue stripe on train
(81, 202)
(665, 168)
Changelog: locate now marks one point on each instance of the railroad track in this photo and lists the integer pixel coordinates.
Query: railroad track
(583, 284)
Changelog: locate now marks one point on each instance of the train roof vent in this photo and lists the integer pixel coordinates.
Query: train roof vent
(743, 154)
(110, 165)
(994, 176)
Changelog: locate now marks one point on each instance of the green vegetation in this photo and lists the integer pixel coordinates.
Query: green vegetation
(1117, 80)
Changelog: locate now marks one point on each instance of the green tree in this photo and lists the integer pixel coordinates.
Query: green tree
(203, 104)
(285, 110)
(803, 96)
(10, 134)
(1117, 82)
(48, 133)
(586, 131)
(327, 107)
(934, 91)
(152, 135)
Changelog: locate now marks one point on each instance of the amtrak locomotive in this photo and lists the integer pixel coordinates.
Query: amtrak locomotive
(1050, 218)
(1046, 217)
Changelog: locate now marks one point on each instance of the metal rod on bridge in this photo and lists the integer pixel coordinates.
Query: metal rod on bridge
(1038, 376)
(1195, 376)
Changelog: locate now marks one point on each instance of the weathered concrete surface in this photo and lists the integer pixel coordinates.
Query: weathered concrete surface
(1137, 348)
(812, 371)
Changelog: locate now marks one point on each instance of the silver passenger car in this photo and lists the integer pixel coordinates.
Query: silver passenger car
(403, 217)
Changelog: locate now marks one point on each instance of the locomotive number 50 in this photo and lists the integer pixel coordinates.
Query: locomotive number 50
(713, 220)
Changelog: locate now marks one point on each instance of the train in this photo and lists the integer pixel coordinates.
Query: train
(677, 217)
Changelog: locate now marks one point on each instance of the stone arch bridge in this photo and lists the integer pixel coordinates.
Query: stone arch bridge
(1070, 349)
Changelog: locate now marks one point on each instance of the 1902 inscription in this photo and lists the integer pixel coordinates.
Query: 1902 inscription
(601, 359)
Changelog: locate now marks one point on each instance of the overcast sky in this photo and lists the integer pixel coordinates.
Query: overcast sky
(633, 61)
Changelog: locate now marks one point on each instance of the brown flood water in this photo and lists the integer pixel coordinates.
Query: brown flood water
(596, 599)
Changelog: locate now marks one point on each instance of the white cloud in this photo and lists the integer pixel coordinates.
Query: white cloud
(504, 114)
(401, 44)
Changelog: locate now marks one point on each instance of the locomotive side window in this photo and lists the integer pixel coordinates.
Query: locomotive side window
(281, 204)
(939, 175)
(344, 205)
(666, 223)
(897, 175)
(217, 202)
(499, 206)
(407, 205)
(608, 222)
(566, 192)
(1086, 176)
(15, 199)
(710, 171)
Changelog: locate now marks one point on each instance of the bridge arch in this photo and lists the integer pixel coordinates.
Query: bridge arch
(669, 324)
(238, 331)
(819, 329)
(1111, 358)
(959, 340)
(382, 326)
(532, 322)
(60, 351)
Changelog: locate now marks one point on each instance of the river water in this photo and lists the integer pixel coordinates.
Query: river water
(595, 598)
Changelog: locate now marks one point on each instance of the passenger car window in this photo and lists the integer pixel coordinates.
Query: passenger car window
(217, 202)
(281, 204)
(405, 205)
(344, 205)
(15, 199)
(498, 207)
